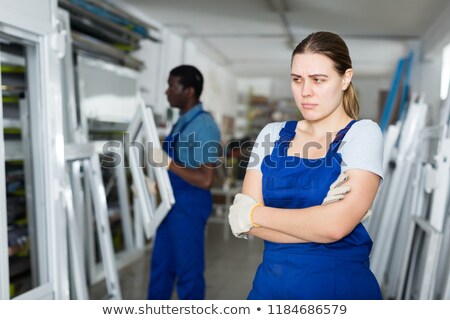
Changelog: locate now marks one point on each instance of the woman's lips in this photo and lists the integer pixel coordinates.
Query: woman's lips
(308, 105)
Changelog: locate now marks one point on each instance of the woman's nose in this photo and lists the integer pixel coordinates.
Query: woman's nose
(306, 89)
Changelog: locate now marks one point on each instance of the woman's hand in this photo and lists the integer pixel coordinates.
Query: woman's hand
(240, 216)
(337, 190)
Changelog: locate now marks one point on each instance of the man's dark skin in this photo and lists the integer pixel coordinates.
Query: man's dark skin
(185, 99)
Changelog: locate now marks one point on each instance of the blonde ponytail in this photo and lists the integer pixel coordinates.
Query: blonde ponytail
(351, 103)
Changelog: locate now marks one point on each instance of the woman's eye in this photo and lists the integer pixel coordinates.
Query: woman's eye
(296, 80)
(317, 80)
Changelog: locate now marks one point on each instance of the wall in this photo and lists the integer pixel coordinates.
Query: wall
(34, 16)
(368, 90)
(257, 86)
(149, 77)
(430, 84)
(437, 35)
(282, 88)
(159, 59)
(221, 87)
(220, 90)
(219, 93)
(433, 41)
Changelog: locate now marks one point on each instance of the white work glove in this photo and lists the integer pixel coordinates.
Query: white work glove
(157, 157)
(337, 192)
(367, 215)
(240, 215)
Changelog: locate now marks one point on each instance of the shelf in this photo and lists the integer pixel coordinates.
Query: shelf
(13, 150)
(8, 91)
(85, 44)
(18, 265)
(87, 27)
(11, 123)
(11, 56)
(114, 214)
(258, 100)
(17, 235)
(110, 16)
(117, 11)
(15, 249)
(10, 112)
(13, 86)
(13, 81)
(96, 125)
(97, 20)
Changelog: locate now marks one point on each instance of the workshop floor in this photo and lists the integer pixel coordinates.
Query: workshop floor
(230, 267)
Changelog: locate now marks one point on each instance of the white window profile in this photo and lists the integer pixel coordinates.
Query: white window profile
(445, 73)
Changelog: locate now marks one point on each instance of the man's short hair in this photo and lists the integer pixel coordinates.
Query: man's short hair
(189, 76)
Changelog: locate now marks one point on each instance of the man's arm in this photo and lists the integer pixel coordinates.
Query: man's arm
(197, 156)
(201, 177)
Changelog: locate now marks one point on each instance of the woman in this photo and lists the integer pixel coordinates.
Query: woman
(313, 251)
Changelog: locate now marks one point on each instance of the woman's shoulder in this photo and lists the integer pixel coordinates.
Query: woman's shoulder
(272, 129)
(366, 124)
(274, 126)
(365, 127)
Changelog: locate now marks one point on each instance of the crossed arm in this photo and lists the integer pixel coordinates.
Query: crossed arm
(322, 224)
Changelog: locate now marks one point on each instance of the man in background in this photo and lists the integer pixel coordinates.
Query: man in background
(192, 151)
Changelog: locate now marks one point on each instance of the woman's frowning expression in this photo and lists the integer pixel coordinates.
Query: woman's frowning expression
(316, 85)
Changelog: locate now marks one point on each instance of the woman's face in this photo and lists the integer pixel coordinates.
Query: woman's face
(317, 87)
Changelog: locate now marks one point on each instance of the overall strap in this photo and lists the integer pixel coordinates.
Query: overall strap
(183, 127)
(172, 139)
(287, 133)
(339, 137)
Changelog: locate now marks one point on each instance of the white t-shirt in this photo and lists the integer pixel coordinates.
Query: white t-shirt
(361, 148)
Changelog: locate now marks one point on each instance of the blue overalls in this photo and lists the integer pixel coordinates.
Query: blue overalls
(178, 253)
(338, 270)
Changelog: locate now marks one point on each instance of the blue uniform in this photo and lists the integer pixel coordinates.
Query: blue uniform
(338, 270)
(178, 253)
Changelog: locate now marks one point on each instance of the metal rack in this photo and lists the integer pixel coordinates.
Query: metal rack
(41, 34)
(31, 91)
(100, 98)
(79, 124)
(412, 243)
(85, 157)
(104, 31)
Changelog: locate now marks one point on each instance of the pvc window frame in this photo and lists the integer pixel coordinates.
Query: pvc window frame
(143, 128)
(44, 106)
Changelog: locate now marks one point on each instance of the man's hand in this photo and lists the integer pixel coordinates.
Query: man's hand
(151, 187)
(157, 157)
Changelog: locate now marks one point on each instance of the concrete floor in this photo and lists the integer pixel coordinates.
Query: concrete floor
(230, 268)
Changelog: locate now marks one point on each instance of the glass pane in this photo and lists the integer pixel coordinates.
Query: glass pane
(22, 242)
(107, 103)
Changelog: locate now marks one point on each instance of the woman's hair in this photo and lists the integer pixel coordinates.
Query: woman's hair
(332, 46)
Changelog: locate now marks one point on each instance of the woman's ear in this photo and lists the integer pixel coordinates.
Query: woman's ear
(347, 79)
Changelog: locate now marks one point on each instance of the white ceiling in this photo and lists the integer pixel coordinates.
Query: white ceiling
(255, 38)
